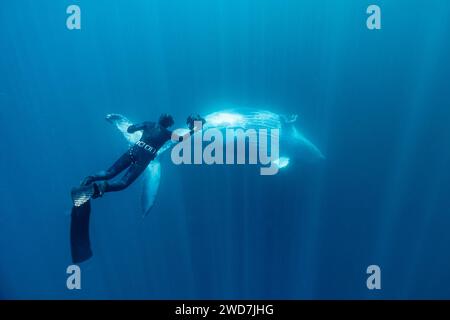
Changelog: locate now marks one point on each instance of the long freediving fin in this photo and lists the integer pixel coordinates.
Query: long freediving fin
(80, 243)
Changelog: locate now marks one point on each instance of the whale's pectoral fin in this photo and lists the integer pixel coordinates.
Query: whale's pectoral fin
(151, 178)
(282, 162)
(122, 124)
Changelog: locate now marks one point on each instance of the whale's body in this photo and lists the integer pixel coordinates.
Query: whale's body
(292, 141)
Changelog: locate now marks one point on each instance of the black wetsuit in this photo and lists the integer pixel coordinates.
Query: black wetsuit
(136, 159)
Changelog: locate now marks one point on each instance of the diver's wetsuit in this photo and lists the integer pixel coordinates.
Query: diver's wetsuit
(136, 159)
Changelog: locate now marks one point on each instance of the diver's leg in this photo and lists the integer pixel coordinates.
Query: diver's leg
(121, 164)
(133, 172)
(90, 190)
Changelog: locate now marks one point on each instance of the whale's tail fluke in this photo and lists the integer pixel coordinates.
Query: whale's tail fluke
(311, 147)
(289, 118)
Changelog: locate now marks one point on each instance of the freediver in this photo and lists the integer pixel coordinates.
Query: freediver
(135, 160)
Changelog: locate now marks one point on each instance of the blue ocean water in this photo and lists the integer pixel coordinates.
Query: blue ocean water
(375, 102)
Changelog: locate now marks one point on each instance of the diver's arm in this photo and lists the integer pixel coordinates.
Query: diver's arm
(188, 134)
(136, 127)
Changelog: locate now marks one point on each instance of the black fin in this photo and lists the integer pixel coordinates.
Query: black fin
(80, 243)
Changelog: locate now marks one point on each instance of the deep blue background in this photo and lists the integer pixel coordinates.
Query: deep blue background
(375, 102)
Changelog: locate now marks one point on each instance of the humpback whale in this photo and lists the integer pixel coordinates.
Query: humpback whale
(292, 142)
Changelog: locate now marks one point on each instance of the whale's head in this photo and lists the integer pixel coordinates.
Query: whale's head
(244, 118)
